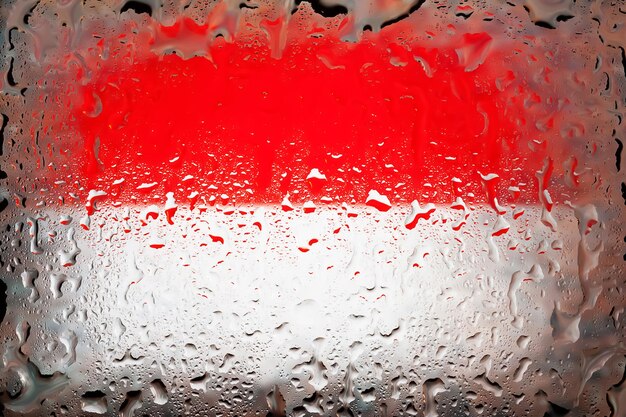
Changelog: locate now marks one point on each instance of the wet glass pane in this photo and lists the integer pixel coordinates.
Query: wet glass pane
(312, 208)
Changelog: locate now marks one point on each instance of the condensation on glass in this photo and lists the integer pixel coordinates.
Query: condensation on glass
(328, 208)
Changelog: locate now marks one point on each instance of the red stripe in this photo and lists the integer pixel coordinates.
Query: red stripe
(417, 120)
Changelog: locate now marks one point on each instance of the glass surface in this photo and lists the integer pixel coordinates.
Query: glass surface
(328, 208)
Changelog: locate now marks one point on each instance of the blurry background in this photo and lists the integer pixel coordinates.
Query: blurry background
(376, 208)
